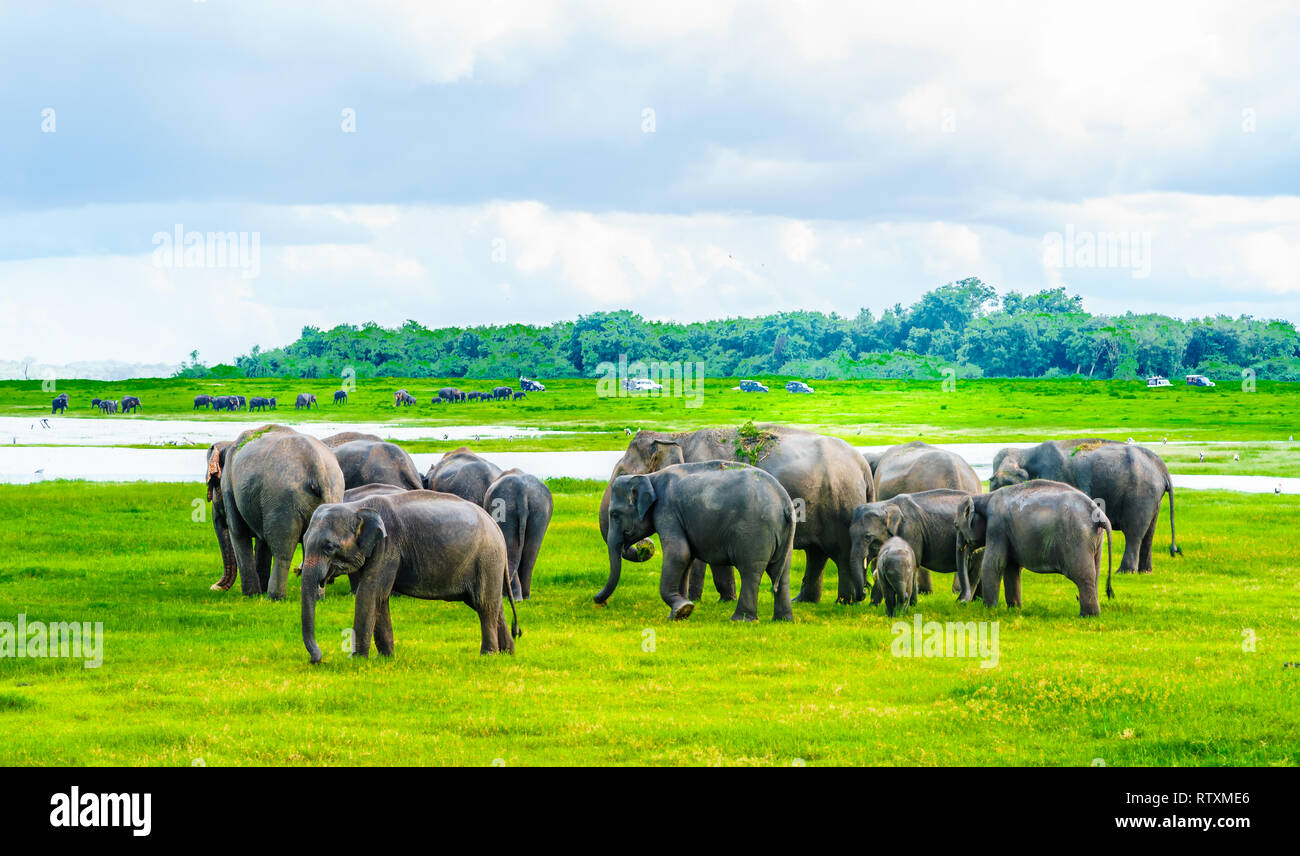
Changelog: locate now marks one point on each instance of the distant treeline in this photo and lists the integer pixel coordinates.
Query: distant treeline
(963, 325)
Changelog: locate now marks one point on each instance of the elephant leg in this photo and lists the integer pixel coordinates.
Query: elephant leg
(677, 561)
(1132, 547)
(505, 641)
(747, 604)
(527, 561)
(363, 622)
(1011, 584)
(489, 620)
(991, 573)
(262, 561)
(1085, 577)
(877, 593)
(1144, 552)
(810, 590)
(282, 550)
(724, 580)
(241, 539)
(923, 584)
(383, 629)
(694, 582)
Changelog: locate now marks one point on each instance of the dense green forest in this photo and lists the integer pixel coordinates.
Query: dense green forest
(963, 325)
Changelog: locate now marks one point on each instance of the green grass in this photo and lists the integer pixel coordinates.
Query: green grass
(1160, 678)
(861, 411)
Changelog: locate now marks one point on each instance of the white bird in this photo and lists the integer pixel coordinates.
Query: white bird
(1130, 441)
(1202, 457)
(1236, 457)
(1277, 491)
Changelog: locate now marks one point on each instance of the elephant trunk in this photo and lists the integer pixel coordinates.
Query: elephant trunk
(229, 567)
(858, 561)
(963, 576)
(310, 591)
(615, 568)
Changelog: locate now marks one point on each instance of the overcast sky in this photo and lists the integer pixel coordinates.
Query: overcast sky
(498, 161)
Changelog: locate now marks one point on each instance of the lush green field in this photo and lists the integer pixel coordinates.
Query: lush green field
(1161, 677)
(869, 411)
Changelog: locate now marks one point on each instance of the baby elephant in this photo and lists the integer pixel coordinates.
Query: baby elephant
(896, 573)
(719, 512)
(1045, 526)
(418, 543)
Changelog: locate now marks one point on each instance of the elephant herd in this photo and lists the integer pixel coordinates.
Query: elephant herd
(107, 406)
(908, 511)
(734, 501)
(464, 531)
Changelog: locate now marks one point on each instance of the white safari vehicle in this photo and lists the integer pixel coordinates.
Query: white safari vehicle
(1156, 380)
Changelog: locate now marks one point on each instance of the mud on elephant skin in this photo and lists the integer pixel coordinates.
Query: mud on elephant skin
(824, 476)
(1130, 481)
(1039, 525)
(722, 513)
(417, 543)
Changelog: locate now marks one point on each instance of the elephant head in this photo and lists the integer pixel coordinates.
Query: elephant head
(972, 530)
(1008, 469)
(629, 525)
(339, 540)
(873, 525)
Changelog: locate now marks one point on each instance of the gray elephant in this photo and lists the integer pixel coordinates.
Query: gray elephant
(915, 467)
(896, 572)
(464, 474)
(333, 441)
(341, 396)
(417, 543)
(502, 393)
(925, 520)
(305, 401)
(130, 404)
(216, 460)
(521, 505)
(272, 479)
(1040, 525)
(1129, 480)
(204, 401)
(367, 461)
(719, 512)
(824, 477)
(60, 403)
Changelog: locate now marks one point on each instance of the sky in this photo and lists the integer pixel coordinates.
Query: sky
(494, 162)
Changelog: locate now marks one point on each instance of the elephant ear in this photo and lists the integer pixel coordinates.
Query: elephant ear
(976, 523)
(216, 460)
(894, 522)
(667, 453)
(645, 497)
(370, 529)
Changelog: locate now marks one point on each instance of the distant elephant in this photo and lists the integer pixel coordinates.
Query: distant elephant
(463, 473)
(305, 400)
(95, 402)
(1130, 481)
(896, 573)
(521, 505)
(519, 395)
(272, 479)
(824, 477)
(417, 543)
(370, 461)
(107, 405)
(915, 467)
(927, 521)
(241, 402)
(451, 393)
(333, 441)
(60, 403)
(258, 403)
(223, 402)
(272, 402)
(501, 393)
(203, 401)
(130, 404)
(402, 398)
(341, 396)
(722, 513)
(1040, 525)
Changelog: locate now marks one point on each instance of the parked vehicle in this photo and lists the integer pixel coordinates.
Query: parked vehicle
(641, 384)
(798, 386)
(529, 385)
(751, 386)
(1199, 380)
(1155, 381)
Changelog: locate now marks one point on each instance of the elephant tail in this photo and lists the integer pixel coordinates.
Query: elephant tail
(1174, 549)
(515, 632)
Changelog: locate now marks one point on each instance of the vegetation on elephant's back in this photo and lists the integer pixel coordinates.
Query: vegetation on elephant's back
(963, 328)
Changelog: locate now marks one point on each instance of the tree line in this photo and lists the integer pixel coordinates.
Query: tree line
(963, 326)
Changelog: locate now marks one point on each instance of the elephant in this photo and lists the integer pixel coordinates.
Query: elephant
(130, 404)
(223, 402)
(463, 473)
(95, 402)
(241, 402)
(519, 395)
(824, 477)
(60, 403)
(305, 400)
(402, 398)
(521, 505)
(370, 461)
(502, 393)
(925, 520)
(107, 405)
(341, 396)
(896, 571)
(915, 467)
(723, 513)
(1042, 525)
(1129, 480)
(258, 403)
(417, 543)
(272, 479)
(451, 393)
(216, 460)
(333, 441)
(272, 403)
(203, 401)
